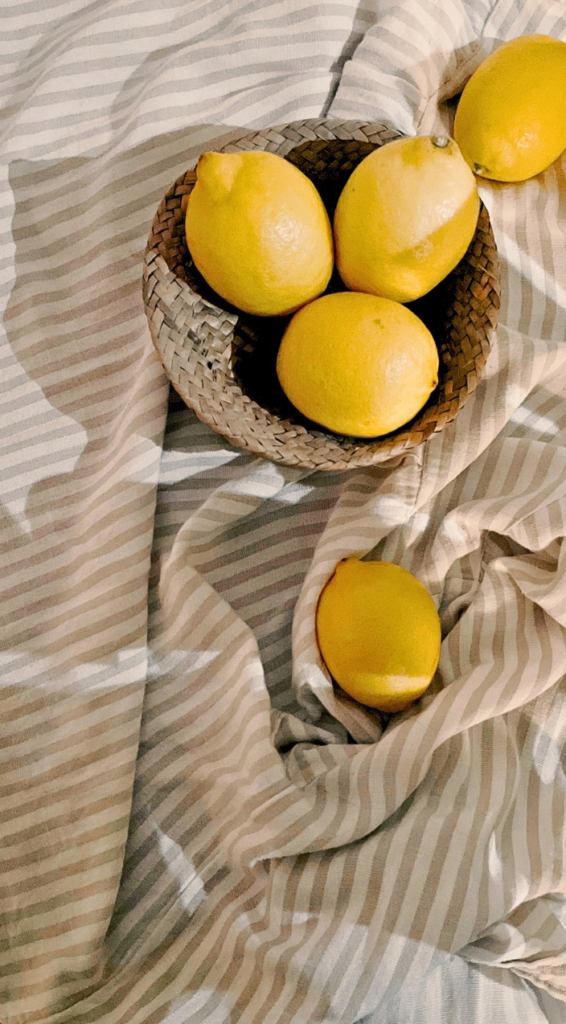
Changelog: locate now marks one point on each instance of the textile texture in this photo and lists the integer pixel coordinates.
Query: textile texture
(194, 827)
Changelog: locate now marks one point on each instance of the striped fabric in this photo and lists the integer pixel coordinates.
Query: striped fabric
(194, 827)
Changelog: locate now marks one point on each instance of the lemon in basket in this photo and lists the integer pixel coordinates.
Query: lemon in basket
(258, 232)
(357, 364)
(405, 218)
(379, 633)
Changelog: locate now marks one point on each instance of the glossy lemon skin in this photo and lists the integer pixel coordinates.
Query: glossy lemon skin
(511, 118)
(357, 364)
(379, 633)
(258, 232)
(405, 218)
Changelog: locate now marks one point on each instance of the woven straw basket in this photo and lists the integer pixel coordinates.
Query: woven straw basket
(222, 361)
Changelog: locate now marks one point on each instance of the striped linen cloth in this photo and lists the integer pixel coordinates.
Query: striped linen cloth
(194, 828)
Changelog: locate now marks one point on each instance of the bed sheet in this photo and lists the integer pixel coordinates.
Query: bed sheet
(195, 828)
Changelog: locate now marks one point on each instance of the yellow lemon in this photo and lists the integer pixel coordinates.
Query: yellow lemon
(405, 218)
(357, 364)
(258, 232)
(511, 119)
(379, 633)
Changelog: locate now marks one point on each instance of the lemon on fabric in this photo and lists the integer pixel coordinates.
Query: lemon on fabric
(511, 119)
(357, 364)
(258, 232)
(379, 633)
(405, 218)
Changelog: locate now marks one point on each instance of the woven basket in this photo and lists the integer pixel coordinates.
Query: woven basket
(222, 361)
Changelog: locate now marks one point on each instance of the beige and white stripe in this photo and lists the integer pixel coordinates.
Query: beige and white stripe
(195, 827)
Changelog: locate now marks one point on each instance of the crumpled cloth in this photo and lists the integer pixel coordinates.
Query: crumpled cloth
(195, 827)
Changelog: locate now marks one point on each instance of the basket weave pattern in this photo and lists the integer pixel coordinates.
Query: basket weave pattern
(222, 361)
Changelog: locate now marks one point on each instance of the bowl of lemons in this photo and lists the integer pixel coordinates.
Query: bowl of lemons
(324, 293)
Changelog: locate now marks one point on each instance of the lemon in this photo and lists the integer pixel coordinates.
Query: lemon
(357, 364)
(258, 232)
(405, 218)
(379, 633)
(511, 119)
